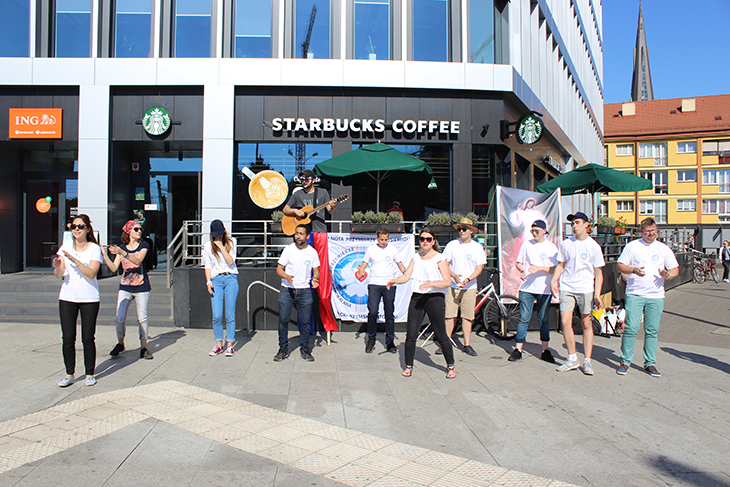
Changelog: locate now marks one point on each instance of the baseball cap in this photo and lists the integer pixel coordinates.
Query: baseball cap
(307, 173)
(579, 214)
(540, 224)
(217, 229)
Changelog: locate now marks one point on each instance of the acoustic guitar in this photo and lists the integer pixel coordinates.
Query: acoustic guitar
(289, 223)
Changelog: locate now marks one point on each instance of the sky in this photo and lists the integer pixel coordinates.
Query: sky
(688, 47)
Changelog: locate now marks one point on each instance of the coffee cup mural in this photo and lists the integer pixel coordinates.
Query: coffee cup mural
(267, 189)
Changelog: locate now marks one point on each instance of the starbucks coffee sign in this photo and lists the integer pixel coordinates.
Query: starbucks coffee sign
(156, 121)
(529, 129)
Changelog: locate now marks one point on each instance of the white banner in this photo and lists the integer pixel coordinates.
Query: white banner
(350, 296)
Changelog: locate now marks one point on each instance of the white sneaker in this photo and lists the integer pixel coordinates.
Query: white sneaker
(587, 368)
(568, 365)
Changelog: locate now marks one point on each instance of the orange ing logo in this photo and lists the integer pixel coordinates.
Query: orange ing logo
(35, 123)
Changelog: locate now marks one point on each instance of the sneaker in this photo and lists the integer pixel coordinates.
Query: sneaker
(587, 367)
(369, 346)
(229, 352)
(439, 351)
(391, 348)
(90, 381)
(216, 350)
(623, 369)
(470, 351)
(145, 354)
(547, 356)
(118, 348)
(282, 354)
(652, 371)
(568, 365)
(66, 381)
(515, 355)
(306, 355)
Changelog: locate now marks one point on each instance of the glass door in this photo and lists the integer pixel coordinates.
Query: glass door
(41, 222)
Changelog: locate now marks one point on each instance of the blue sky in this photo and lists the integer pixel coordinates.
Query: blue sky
(688, 47)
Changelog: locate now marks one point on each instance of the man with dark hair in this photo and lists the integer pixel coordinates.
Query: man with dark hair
(384, 261)
(298, 261)
(313, 196)
(647, 263)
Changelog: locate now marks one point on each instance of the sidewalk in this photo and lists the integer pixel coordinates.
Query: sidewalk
(349, 418)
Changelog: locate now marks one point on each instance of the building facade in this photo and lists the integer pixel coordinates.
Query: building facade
(151, 108)
(683, 147)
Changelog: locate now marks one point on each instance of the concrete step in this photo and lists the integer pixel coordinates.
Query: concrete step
(25, 298)
(51, 309)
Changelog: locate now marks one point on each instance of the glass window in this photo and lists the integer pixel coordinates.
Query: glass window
(625, 206)
(430, 30)
(132, 28)
(73, 28)
(686, 205)
(192, 28)
(657, 208)
(372, 29)
(709, 147)
(481, 31)
(14, 28)
(312, 31)
(720, 177)
(686, 176)
(656, 151)
(253, 29)
(716, 207)
(625, 150)
(686, 147)
(658, 179)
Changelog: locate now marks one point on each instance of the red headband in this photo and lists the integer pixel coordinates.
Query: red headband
(127, 228)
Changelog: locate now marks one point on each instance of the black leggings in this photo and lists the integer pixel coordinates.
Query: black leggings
(69, 312)
(434, 305)
(726, 272)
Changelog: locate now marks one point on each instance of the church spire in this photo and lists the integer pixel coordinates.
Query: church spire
(641, 88)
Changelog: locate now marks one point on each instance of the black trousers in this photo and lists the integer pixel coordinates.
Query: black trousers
(726, 272)
(69, 312)
(434, 306)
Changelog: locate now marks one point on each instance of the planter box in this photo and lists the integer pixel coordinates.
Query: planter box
(620, 230)
(374, 227)
(274, 227)
(604, 229)
(442, 228)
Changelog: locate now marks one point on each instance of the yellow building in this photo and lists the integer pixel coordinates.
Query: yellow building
(683, 147)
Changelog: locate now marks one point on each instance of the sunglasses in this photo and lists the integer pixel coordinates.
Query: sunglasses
(534, 230)
(463, 229)
(137, 229)
(425, 239)
(80, 226)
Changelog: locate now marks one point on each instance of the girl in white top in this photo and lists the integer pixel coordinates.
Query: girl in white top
(221, 275)
(430, 273)
(77, 264)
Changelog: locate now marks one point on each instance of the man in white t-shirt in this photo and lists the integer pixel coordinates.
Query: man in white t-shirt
(647, 263)
(536, 262)
(577, 280)
(385, 262)
(466, 259)
(297, 264)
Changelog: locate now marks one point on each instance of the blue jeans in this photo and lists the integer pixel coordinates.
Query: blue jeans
(527, 301)
(374, 294)
(651, 309)
(225, 291)
(302, 300)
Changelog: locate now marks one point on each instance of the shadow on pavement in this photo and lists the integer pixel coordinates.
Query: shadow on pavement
(696, 319)
(131, 355)
(674, 472)
(699, 359)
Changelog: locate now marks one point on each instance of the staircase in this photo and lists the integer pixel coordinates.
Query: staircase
(31, 297)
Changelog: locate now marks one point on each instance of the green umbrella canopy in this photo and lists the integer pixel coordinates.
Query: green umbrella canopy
(376, 165)
(594, 178)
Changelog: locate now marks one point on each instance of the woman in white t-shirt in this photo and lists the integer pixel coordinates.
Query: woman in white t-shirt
(221, 275)
(77, 264)
(431, 279)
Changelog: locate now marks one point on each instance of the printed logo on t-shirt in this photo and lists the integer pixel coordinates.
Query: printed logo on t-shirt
(307, 262)
(655, 257)
(132, 274)
(387, 258)
(584, 256)
(468, 256)
(543, 256)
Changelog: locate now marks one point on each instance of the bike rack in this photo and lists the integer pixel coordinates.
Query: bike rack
(248, 308)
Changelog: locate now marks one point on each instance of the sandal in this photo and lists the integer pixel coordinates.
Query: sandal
(408, 372)
(452, 373)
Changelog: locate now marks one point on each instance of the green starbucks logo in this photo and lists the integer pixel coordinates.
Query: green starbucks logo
(529, 129)
(156, 121)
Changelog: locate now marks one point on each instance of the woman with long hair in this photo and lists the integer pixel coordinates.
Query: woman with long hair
(431, 280)
(134, 286)
(77, 264)
(725, 259)
(221, 275)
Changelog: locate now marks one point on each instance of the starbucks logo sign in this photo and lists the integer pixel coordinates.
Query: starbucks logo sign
(156, 121)
(529, 130)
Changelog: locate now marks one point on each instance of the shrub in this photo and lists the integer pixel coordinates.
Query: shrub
(394, 217)
(370, 217)
(380, 218)
(606, 221)
(277, 216)
(438, 219)
(358, 217)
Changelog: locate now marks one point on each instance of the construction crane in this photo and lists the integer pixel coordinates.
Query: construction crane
(299, 157)
(484, 45)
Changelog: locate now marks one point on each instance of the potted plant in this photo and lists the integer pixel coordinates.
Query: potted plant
(371, 222)
(621, 225)
(441, 222)
(606, 224)
(275, 224)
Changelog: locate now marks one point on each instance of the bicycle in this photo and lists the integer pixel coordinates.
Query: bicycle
(501, 314)
(703, 267)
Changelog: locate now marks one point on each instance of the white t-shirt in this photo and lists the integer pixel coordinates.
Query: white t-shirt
(543, 254)
(298, 263)
(219, 265)
(463, 258)
(426, 271)
(383, 263)
(651, 257)
(76, 287)
(581, 257)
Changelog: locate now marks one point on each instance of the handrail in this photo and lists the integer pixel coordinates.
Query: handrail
(248, 307)
(171, 250)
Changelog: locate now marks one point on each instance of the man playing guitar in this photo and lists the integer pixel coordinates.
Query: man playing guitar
(310, 195)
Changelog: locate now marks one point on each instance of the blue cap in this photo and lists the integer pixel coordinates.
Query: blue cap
(540, 224)
(579, 214)
(217, 229)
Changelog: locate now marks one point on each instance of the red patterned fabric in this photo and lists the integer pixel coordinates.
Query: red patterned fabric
(325, 281)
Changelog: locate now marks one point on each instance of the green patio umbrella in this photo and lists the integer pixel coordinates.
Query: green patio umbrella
(594, 178)
(377, 164)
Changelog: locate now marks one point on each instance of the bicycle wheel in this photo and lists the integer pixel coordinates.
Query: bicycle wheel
(698, 275)
(503, 326)
(713, 274)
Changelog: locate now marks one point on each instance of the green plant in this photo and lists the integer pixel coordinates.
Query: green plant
(456, 217)
(370, 217)
(438, 219)
(606, 221)
(380, 218)
(277, 216)
(621, 222)
(394, 217)
(473, 217)
(358, 217)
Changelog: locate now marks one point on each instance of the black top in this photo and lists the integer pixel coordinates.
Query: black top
(134, 279)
